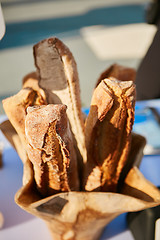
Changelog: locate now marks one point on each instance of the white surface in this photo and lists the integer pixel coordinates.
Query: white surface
(100, 39)
(157, 230)
(2, 24)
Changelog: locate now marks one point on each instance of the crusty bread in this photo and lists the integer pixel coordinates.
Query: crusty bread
(50, 149)
(58, 76)
(15, 108)
(26, 79)
(31, 81)
(108, 133)
(119, 72)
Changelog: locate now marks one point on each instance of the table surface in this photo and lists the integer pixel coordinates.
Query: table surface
(20, 225)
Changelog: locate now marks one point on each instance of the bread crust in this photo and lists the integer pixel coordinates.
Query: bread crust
(16, 109)
(31, 81)
(119, 72)
(50, 149)
(58, 76)
(108, 133)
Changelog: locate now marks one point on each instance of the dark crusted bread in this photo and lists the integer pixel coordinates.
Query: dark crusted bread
(58, 76)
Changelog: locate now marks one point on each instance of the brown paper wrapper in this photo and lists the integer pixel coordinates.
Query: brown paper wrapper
(83, 215)
(12, 136)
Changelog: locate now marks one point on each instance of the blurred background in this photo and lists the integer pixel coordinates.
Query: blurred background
(98, 32)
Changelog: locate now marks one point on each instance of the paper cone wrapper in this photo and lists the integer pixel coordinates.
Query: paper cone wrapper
(83, 215)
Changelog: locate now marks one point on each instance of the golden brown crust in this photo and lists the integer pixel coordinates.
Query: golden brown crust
(31, 81)
(119, 72)
(31, 75)
(15, 108)
(50, 149)
(108, 133)
(58, 76)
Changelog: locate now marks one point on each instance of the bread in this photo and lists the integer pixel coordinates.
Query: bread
(15, 108)
(31, 81)
(108, 133)
(54, 136)
(50, 149)
(119, 72)
(58, 76)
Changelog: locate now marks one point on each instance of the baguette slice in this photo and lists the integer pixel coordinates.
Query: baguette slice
(15, 108)
(50, 149)
(108, 133)
(58, 76)
(119, 72)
